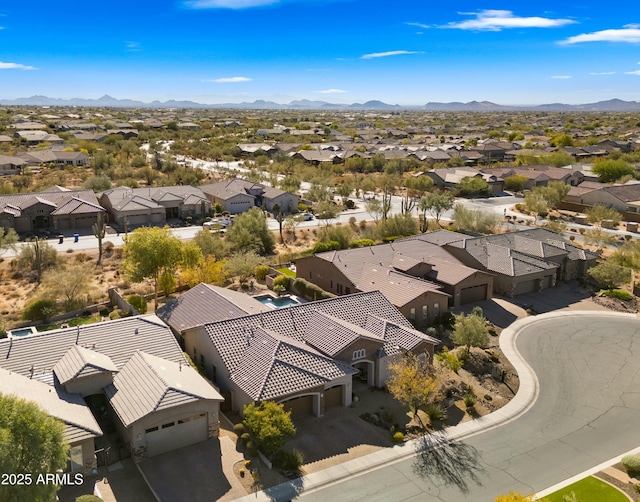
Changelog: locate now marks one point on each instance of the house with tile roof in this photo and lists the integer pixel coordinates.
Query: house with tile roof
(237, 196)
(304, 356)
(525, 261)
(53, 210)
(130, 374)
(153, 206)
(10, 165)
(421, 279)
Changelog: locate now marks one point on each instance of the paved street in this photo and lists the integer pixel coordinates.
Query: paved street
(588, 371)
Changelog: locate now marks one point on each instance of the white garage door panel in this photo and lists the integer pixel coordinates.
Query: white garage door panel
(185, 432)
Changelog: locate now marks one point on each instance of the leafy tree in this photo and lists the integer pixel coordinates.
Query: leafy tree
(470, 331)
(474, 220)
(374, 208)
(610, 170)
(149, 253)
(562, 140)
(97, 183)
(250, 232)
(208, 270)
(597, 215)
(399, 225)
(341, 235)
(414, 383)
(8, 239)
(37, 256)
(211, 243)
(599, 237)
(68, 284)
(31, 442)
(290, 184)
(515, 183)
(418, 185)
(627, 255)
(474, 186)
(610, 275)
(270, 425)
(242, 265)
(534, 202)
(40, 310)
(436, 204)
(554, 193)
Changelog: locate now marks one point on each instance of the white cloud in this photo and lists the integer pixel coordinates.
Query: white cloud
(561, 77)
(15, 66)
(629, 34)
(133, 46)
(602, 73)
(229, 80)
(637, 72)
(332, 91)
(497, 20)
(387, 54)
(419, 25)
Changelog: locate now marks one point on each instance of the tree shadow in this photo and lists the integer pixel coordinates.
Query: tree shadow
(448, 460)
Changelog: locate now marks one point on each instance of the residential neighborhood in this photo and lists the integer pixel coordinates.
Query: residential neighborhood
(171, 277)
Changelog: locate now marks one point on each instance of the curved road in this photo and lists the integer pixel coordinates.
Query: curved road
(587, 412)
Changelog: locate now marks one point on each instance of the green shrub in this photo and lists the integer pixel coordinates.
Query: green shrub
(238, 429)
(469, 399)
(40, 310)
(435, 412)
(350, 204)
(137, 302)
(107, 246)
(88, 498)
(487, 397)
(310, 290)
(260, 272)
(290, 460)
(398, 437)
(281, 280)
(449, 360)
(321, 247)
(114, 315)
(391, 238)
(104, 312)
(245, 437)
(362, 243)
(252, 449)
(620, 294)
(631, 463)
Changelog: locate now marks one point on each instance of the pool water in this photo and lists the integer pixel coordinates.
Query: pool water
(21, 332)
(277, 302)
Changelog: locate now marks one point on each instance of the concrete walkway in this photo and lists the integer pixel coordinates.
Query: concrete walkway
(520, 404)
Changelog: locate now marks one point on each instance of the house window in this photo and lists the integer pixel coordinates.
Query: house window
(214, 374)
(359, 354)
(347, 290)
(167, 425)
(331, 286)
(202, 360)
(436, 309)
(152, 429)
(310, 275)
(184, 420)
(195, 354)
(339, 288)
(425, 313)
(412, 314)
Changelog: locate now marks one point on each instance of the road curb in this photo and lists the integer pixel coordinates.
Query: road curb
(524, 399)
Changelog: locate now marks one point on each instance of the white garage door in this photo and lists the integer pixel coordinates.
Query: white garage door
(173, 435)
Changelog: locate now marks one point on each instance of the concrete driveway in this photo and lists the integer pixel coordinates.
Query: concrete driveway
(199, 473)
(588, 370)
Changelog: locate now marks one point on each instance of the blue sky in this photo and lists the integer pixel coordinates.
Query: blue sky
(404, 52)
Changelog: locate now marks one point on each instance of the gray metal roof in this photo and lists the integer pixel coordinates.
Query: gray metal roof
(35, 356)
(70, 408)
(206, 303)
(148, 383)
(79, 362)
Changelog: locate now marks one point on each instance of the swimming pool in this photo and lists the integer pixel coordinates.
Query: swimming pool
(277, 302)
(21, 332)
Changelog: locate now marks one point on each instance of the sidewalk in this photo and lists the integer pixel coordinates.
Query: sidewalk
(520, 404)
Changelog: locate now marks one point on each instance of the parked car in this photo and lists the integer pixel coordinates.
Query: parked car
(306, 216)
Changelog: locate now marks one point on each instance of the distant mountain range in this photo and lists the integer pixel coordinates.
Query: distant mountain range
(612, 105)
